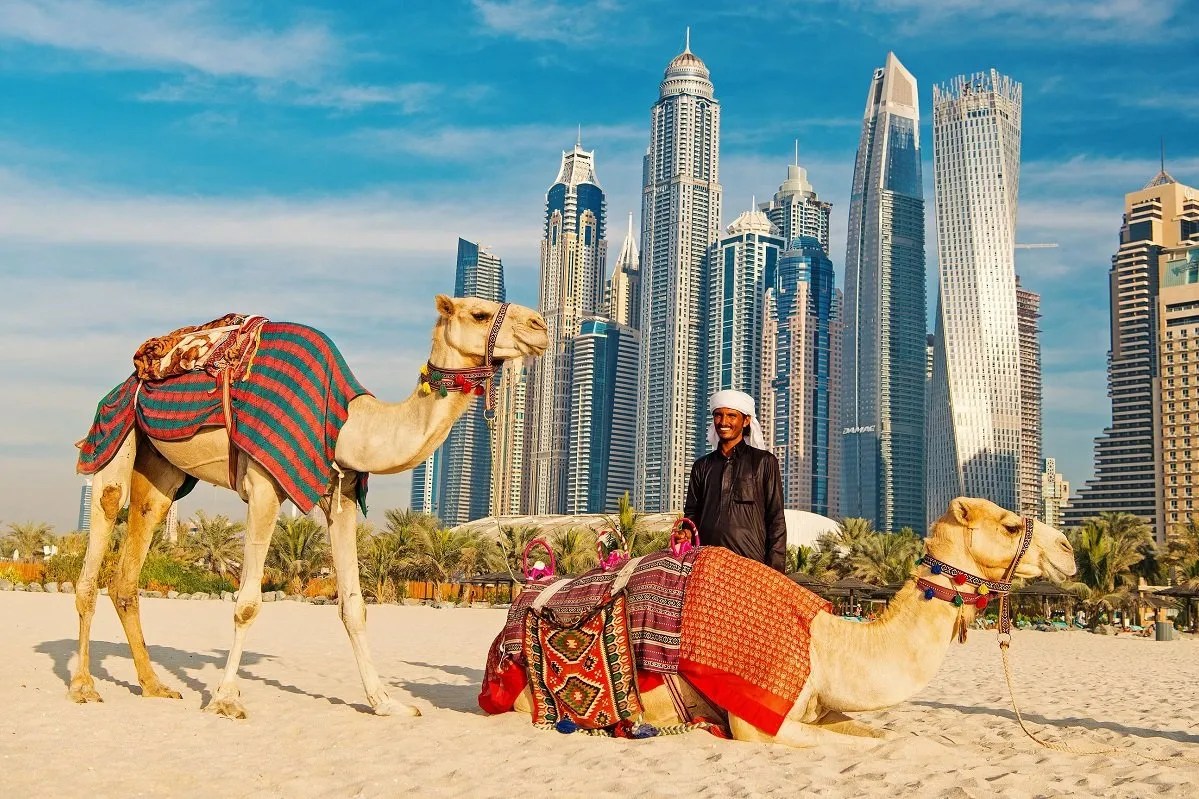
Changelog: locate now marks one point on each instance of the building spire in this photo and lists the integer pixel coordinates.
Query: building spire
(630, 224)
(1163, 149)
(797, 152)
(579, 138)
(687, 43)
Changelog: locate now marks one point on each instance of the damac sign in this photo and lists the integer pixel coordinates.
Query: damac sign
(849, 430)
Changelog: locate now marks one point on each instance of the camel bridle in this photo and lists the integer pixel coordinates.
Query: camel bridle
(476, 380)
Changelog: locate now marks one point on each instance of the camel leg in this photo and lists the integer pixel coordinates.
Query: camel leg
(263, 497)
(152, 489)
(837, 722)
(110, 492)
(792, 733)
(343, 522)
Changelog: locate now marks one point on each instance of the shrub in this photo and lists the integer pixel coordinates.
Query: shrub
(321, 586)
(165, 571)
(64, 568)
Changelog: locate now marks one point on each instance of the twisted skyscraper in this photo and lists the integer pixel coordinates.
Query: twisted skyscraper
(680, 217)
(885, 326)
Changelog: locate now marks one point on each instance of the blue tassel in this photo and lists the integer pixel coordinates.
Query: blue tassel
(937, 568)
(565, 726)
(929, 593)
(643, 730)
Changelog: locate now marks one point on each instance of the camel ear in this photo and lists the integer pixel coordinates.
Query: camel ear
(445, 305)
(960, 510)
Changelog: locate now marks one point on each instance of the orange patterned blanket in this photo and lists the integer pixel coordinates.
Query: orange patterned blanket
(745, 638)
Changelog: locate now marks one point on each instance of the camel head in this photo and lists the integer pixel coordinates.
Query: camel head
(464, 324)
(978, 530)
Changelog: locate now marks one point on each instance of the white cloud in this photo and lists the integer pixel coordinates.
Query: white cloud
(500, 144)
(166, 35)
(544, 20)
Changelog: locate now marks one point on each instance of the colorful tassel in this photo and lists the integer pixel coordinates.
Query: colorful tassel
(936, 568)
(959, 578)
(566, 726)
(929, 593)
(981, 602)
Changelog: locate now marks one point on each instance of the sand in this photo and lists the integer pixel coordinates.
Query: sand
(310, 733)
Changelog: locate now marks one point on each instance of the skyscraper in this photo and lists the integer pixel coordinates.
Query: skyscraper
(466, 454)
(1162, 215)
(573, 257)
(975, 423)
(882, 415)
(603, 415)
(1028, 305)
(796, 210)
(1178, 368)
(680, 218)
(740, 266)
(426, 484)
(508, 441)
(801, 377)
(1055, 494)
(621, 300)
(85, 506)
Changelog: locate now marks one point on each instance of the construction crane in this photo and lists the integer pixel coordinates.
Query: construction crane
(1048, 246)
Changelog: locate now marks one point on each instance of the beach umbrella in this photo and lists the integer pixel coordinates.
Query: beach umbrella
(808, 581)
(1043, 590)
(1186, 592)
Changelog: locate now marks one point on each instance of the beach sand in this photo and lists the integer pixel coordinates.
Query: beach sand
(310, 733)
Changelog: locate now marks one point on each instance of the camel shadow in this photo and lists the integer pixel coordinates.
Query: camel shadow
(459, 698)
(1123, 729)
(176, 662)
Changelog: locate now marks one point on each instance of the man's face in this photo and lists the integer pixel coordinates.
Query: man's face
(730, 424)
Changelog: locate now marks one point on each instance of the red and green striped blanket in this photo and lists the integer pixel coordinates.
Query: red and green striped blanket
(287, 412)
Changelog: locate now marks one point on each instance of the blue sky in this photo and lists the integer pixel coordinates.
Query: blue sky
(164, 163)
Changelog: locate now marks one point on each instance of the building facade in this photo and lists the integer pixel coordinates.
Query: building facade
(741, 266)
(603, 415)
(426, 485)
(573, 259)
(508, 440)
(1055, 495)
(1178, 384)
(680, 219)
(796, 210)
(882, 418)
(465, 490)
(1128, 467)
(974, 425)
(1028, 311)
(621, 297)
(85, 506)
(801, 377)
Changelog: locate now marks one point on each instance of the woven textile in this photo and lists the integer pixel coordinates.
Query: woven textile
(655, 591)
(211, 347)
(746, 634)
(583, 672)
(287, 411)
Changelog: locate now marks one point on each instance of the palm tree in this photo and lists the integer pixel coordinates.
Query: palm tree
(439, 554)
(1182, 550)
(26, 539)
(382, 561)
(216, 545)
(299, 550)
(1107, 548)
(883, 558)
(511, 545)
(838, 545)
(574, 551)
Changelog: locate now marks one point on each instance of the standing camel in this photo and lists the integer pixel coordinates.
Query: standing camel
(859, 667)
(378, 437)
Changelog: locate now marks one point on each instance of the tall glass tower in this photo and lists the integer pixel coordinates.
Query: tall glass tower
(680, 218)
(466, 455)
(796, 210)
(573, 257)
(801, 377)
(882, 419)
(975, 410)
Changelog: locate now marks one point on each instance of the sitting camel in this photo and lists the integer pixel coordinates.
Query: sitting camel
(376, 437)
(870, 666)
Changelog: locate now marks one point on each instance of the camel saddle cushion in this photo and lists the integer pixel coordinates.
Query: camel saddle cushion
(583, 672)
(288, 398)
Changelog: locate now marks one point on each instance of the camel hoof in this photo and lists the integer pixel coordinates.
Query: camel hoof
(390, 707)
(229, 708)
(83, 693)
(160, 691)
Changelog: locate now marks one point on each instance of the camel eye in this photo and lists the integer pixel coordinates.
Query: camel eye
(480, 316)
(1014, 527)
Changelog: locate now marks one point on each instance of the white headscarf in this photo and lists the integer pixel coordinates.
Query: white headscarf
(743, 403)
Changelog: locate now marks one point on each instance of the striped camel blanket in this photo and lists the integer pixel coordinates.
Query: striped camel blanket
(288, 408)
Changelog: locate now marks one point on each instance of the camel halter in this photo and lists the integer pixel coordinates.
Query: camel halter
(476, 380)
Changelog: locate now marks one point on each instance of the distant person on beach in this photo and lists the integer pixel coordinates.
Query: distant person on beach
(735, 496)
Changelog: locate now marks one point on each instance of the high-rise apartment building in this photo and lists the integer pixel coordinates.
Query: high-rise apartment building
(680, 219)
(882, 416)
(621, 299)
(85, 506)
(1178, 377)
(603, 415)
(974, 424)
(796, 210)
(1028, 311)
(1128, 467)
(740, 266)
(1055, 495)
(801, 377)
(573, 258)
(466, 455)
(426, 485)
(508, 440)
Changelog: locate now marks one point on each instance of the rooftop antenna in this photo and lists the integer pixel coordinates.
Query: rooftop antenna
(630, 224)
(797, 152)
(579, 139)
(687, 45)
(1163, 149)
(753, 202)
